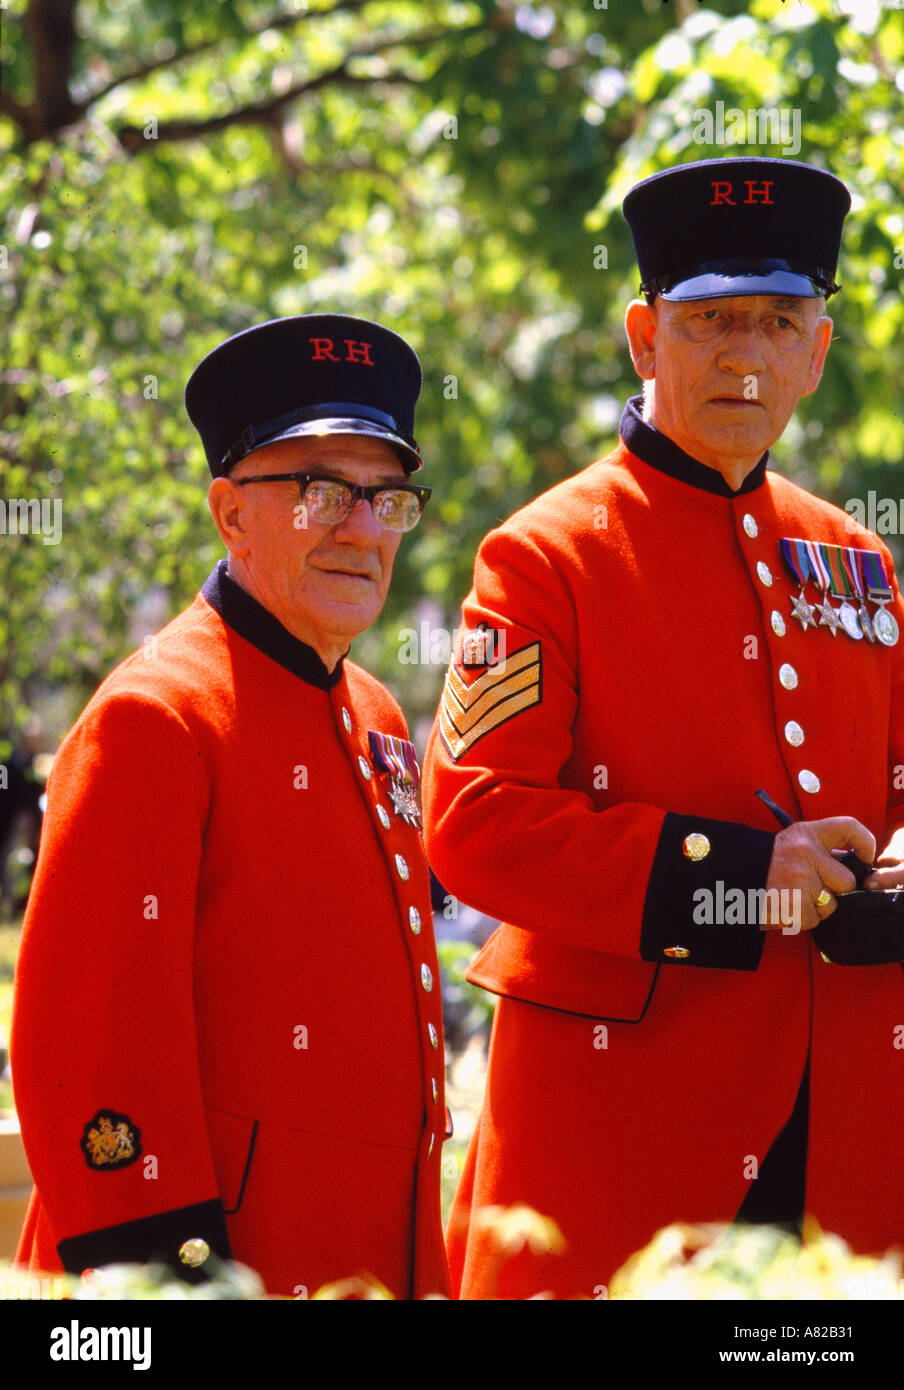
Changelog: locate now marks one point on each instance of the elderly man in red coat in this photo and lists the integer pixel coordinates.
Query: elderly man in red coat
(684, 1031)
(227, 1030)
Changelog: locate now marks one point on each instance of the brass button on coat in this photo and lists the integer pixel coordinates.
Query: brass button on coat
(427, 978)
(365, 769)
(788, 676)
(778, 623)
(696, 846)
(414, 920)
(794, 733)
(676, 952)
(764, 573)
(401, 868)
(383, 817)
(194, 1252)
(750, 526)
(433, 1036)
(346, 720)
(808, 780)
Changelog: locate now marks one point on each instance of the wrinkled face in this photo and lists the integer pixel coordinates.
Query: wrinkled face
(729, 372)
(326, 584)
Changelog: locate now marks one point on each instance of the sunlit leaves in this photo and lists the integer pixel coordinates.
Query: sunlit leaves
(468, 207)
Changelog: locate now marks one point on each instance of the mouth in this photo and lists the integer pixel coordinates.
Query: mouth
(734, 401)
(346, 573)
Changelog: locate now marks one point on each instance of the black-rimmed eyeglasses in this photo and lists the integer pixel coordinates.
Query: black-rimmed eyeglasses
(396, 506)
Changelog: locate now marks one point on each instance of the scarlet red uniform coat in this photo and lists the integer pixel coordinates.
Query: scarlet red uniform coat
(228, 957)
(652, 681)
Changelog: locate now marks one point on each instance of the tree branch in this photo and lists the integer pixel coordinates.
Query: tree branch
(50, 26)
(133, 139)
(279, 21)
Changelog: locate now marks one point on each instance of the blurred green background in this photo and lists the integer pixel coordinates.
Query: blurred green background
(173, 173)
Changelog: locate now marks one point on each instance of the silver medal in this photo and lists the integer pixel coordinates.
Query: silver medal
(850, 621)
(885, 627)
(828, 616)
(404, 802)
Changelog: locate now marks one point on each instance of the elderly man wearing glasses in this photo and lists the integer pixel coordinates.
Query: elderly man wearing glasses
(227, 1032)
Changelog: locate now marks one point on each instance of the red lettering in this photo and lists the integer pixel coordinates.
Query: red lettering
(358, 352)
(721, 190)
(323, 347)
(764, 191)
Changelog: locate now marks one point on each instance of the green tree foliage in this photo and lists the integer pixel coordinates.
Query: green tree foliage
(173, 173)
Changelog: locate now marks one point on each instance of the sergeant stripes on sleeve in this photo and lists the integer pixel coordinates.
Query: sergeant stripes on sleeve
(467, 712)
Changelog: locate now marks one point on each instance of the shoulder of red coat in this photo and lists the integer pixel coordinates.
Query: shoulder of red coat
(812, 514)
(575, 511)
(373, 701)
(177, 672)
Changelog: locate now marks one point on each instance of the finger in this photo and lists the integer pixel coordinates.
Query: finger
(834, 876)
(841, 832)
(805, 913)
(887, 876)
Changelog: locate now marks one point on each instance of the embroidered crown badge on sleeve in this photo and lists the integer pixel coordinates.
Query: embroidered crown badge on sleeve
(110, 1141)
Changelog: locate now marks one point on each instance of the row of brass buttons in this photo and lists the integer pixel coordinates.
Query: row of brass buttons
(414, 916)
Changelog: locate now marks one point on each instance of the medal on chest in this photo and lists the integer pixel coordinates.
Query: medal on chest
(394, 757)
(846, 573)
(875, 581)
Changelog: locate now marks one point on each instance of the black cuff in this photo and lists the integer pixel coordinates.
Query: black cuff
(706, 893)
(152, 1238)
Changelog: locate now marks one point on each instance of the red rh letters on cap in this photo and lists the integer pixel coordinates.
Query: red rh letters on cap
(355, 351)
(722, 191)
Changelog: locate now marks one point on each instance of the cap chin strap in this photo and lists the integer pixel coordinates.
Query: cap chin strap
(256, 435)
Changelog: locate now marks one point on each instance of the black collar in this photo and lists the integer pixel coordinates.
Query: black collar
(258, 626)
(656, 449)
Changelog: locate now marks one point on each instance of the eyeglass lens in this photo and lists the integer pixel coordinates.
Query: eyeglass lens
(329, 502)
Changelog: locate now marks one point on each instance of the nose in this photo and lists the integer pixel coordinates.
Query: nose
(360, 527)
(742, 351)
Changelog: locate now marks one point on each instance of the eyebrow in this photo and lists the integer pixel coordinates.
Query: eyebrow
(793, 304)
(325, 471)
(380, 481)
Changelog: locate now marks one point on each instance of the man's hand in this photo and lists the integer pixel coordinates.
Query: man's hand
(890, 873)
(802, 860)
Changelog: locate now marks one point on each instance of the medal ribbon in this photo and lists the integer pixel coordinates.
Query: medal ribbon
(395, 756)
(818, 565)
(874, 574)
(833, 559)
(851, 558)
(794, 554)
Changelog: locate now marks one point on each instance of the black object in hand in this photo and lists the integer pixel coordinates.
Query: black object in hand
(867, 926)
(857, 867)
(849, 859)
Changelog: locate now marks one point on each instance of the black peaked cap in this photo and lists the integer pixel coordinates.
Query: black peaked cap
(311, 374)
(738, 227)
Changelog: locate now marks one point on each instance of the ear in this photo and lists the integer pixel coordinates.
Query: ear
(640, 326)
(228, 507)
(822, 337)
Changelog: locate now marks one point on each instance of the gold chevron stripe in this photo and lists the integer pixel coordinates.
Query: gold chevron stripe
(467, 713)
(464, 717)
(458, 744)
